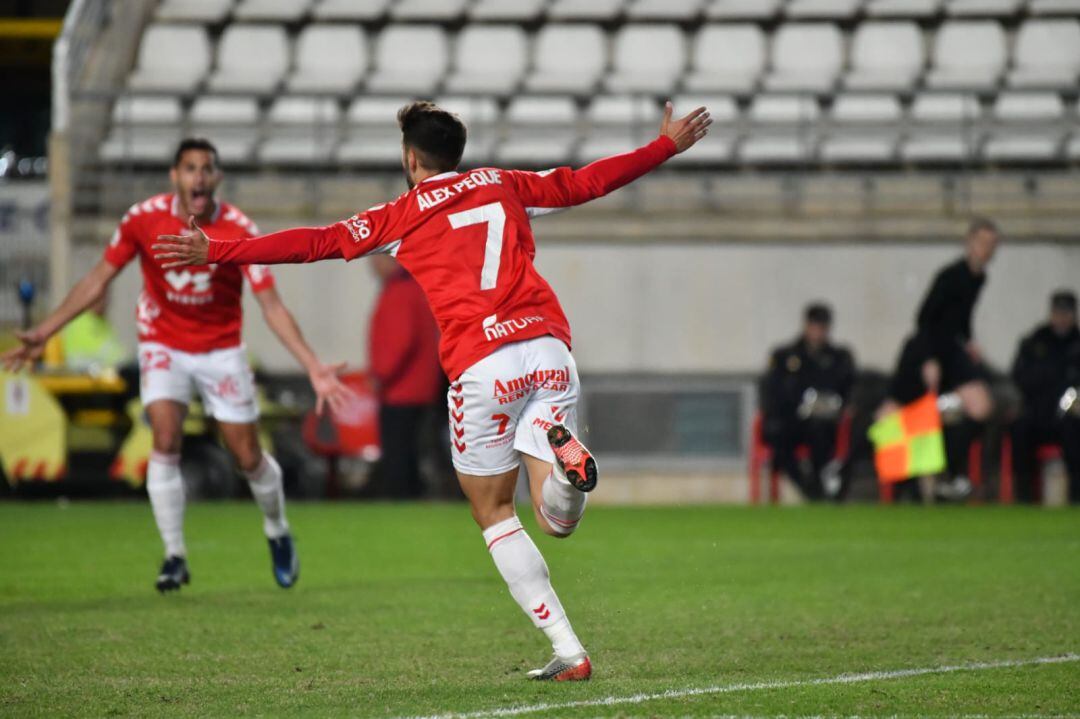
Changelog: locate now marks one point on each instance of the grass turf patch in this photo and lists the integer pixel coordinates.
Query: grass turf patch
(399, 611)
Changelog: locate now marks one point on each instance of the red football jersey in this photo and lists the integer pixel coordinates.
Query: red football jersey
(466, 239)
(192, 309)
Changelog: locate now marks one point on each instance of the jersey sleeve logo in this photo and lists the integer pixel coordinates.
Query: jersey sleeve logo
(358, 228)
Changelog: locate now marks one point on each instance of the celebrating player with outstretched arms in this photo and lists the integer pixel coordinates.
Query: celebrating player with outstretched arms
(189, 334)
(466, 239)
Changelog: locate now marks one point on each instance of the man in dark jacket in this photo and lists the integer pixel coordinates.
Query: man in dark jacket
(803, 393)
(943, 357)
(1047, 372)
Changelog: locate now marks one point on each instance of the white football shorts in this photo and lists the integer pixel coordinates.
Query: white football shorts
(223, 377)
(505, 404)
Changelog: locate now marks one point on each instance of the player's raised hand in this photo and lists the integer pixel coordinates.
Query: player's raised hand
(687, 130)
(190, 248)
(31, 349)
(329, 389)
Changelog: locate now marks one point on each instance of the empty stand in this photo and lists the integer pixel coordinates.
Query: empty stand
(1027, 129)
(399, 70)
(647, 58)
(206, 11)
(360, 10)
(903, 8)
(481, 116)
(865, 129)
(945, 129)
(504, 10)
(885, 56)
(568, 58)
(251, 59)
(488, 59)
(823, 9)
(1046, 55)
(983, 8)
(968, 55)
(742, 9)
(443, 10)
(676, 10)
(271, 10)
(371, 135)
(618, 124)
(806, 57)
(726, 58)
(329, 59)
(232, 123)
(598, 10)
(144, 129)
(542, 132)
(301, 131)
(172, 58)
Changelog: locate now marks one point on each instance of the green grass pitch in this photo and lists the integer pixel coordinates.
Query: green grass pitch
(400, 612)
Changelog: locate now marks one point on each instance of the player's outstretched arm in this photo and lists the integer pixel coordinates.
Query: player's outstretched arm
(86, 292)
(565, 187)
(329, 390)
(295, 246)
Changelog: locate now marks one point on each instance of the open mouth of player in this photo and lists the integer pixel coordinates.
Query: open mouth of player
(199, 198)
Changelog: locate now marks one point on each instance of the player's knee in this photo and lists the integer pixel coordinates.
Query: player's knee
(167, 440)
(487, 515)
(248, 457)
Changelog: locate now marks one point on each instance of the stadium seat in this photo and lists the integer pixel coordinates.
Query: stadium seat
(251, 58)
(865, 130)
(599, 10)
(488, 59)
(271, 10)
(329, 58)
(1028, 127)
(361, 10)
(726, 58)
(442, 10)
(401, 71)
(372, 137)
(783, 131)
(647, 58)
(1055, 7)
(983, 8)
(1072, 147)
(504, 10)
(903, 8)
(302, 131)
(542, 132)
(806, 57)
(618, 123)
(718, 146)
(945, 129)
(172, 58)
(822, 9)
(481, 117)
(144, 130)
(204, 11)
(231, 123)
(885, 56)
(968, 55)
(742, 9)
(567, 58)
(675, 10)
(1046, 55)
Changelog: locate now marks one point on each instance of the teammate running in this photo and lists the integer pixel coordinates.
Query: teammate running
(189, 333)
(505, 342)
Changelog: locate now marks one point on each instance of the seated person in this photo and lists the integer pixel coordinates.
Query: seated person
(803, 393)
(1047, 372)
(89, 341)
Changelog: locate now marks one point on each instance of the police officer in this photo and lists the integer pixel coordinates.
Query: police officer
(1047, 372)
(803, 393)
(943, 357)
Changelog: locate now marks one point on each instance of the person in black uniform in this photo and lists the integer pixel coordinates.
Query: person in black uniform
(803, 393)
(942, 356)
(1047, 372)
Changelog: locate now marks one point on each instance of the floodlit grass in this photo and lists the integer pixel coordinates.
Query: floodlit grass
(399, 611)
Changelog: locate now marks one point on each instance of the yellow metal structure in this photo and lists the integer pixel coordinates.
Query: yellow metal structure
(33, 442)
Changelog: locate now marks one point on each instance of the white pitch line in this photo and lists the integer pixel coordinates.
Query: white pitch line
(755, 686)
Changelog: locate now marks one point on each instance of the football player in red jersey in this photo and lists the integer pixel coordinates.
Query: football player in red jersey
(466, 239)
(189, 334)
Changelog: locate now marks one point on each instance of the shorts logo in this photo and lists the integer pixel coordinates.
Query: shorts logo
(493, 329)
(516, 388)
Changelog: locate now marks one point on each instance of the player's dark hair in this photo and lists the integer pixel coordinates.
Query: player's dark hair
(818, 313)
(194, 143)
(435, 135)
(982, 224)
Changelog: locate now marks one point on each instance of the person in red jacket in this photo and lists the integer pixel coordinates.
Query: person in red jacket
(403, 352)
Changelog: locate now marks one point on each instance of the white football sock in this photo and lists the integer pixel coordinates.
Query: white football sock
(526, 574)
(562, 505)
(166, 489)
(266, 488)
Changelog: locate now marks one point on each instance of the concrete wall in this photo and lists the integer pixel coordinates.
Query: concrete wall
(693, 307)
